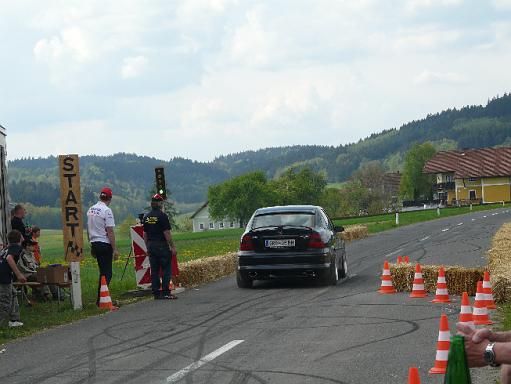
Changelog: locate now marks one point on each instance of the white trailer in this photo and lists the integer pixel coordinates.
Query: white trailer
(5, 222)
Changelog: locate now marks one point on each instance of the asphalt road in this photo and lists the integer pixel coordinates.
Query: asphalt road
(278, 332)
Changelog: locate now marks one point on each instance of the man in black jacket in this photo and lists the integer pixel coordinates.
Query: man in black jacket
(160, 248)
(18, 224)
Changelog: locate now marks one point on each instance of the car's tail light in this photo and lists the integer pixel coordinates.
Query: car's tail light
(315, 241)
(246, 243)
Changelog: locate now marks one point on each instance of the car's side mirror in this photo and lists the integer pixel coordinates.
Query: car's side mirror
(339, 228)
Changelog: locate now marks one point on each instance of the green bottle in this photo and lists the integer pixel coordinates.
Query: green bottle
(457, 366)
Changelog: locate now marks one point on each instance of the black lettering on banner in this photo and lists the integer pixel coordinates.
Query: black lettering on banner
(71, 212)
(71, 198)
(72, 226)
(68, 164)
(69, 177)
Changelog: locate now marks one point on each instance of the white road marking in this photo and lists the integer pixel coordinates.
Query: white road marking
(473, 219)
(393, 253)
(425, 238)
(445, 229)
(460, 224)
(206, 359)
(484, 217)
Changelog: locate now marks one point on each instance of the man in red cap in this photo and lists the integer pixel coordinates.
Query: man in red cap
(160, 247)
(100, 230)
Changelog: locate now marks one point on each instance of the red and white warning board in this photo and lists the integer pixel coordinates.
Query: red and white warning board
(142, 266)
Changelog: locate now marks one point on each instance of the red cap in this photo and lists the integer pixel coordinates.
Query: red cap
(106, 192)
(157, 197)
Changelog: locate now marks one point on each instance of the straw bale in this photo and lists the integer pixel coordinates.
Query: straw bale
(499, 264)
(196, 272)
(354, 232)
(459, 279)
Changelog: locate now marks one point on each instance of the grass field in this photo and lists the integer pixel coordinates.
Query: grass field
(189, 245)
(388, 221)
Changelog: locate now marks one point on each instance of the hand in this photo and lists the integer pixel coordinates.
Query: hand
(22, 279)
(476, 335)
(116, 254)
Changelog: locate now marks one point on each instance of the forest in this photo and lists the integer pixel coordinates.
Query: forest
(35, 180)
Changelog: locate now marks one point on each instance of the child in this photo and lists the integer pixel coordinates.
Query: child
(9, 309)
(36, 232)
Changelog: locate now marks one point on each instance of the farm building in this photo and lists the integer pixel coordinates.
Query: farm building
(474, 175)
(203, 222)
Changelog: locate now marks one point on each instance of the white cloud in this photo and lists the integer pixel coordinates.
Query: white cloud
(415, 6)
(502, 4)
(133, 66)
(429, 77)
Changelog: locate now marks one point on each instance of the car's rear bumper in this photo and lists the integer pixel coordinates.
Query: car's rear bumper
(264, 266)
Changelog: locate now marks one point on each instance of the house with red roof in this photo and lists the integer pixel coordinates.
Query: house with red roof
(473, 175)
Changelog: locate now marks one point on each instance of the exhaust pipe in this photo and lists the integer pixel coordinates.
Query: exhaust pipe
(310, 273)
(252, 274)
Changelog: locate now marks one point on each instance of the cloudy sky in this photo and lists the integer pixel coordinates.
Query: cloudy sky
(201, 78)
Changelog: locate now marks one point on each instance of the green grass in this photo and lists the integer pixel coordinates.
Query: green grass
(388, 221)
(43, 315)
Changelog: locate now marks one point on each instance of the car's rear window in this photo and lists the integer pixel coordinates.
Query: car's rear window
(277, 219)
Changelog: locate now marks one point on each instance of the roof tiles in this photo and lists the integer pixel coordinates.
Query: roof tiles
(484, 162)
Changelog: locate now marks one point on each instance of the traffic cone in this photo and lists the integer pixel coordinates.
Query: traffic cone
(480, 314)
(442, 295)
(442, 346)
(105, 302)
(413, 376)
(386, 280)
(399, 260)
(418, 283)
(406, 259)
(490, 304)
(465, 316)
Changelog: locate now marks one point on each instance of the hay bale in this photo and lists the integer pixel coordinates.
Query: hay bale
(459, 279)
(197, 272)
(354, 232)
(499, 264)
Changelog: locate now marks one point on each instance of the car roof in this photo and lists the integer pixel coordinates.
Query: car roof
(287, 208)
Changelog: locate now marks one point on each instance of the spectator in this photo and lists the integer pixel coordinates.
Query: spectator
(100, 230)
(160, 248)
(9, 308)
(36, 233)
(17, 221)
(485, 347)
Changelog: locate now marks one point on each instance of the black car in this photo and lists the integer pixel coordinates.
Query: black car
(291, 241)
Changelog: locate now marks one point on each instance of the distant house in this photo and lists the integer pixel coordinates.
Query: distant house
(203, 222)
(474, 175)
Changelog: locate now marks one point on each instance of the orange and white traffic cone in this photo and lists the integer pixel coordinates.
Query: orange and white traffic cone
(442, 294)
(490, 304)
(386, 280)
(406, 259)
(465, 316)
(105, 301)
(413, 376)
(442, 346)
(480, 313)
(418, 283)
(399, 260)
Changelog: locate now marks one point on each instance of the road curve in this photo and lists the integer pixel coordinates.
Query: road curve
(278, 332)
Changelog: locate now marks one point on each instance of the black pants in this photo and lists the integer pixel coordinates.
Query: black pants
(159, 258)
(104, 256)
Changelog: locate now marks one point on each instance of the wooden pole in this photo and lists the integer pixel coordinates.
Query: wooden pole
(72, 221)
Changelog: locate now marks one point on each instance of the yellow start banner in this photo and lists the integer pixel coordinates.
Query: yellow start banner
(71, 202)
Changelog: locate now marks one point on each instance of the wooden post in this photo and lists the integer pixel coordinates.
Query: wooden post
(72, 221)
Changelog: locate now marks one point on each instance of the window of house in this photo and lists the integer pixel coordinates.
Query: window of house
(472, 195)
(211, 225)
(472, 179)
(201, 225)
(221, 225)
(231, 224)
(449, 179)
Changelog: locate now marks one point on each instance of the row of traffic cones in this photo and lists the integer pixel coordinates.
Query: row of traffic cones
(484, 293)
(479, 316)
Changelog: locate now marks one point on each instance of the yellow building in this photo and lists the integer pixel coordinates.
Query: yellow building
(475, 175)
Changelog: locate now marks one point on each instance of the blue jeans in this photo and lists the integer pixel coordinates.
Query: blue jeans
(159, 258)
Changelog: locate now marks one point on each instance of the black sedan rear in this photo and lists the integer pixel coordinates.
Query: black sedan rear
(291, 241)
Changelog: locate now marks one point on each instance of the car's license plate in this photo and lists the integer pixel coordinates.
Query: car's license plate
(288, 243)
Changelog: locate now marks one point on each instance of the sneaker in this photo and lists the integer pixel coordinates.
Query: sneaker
(169, 297)
(13, 324)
